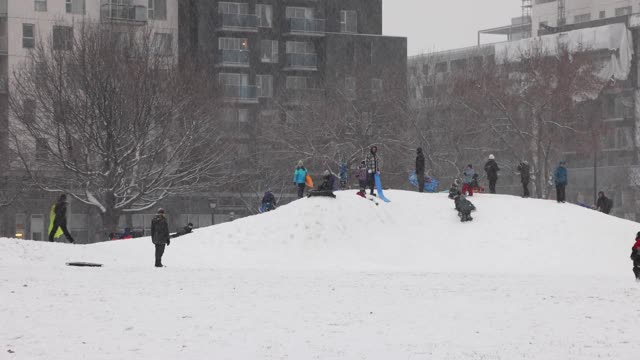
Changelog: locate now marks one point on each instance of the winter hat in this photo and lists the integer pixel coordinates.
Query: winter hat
(326, 173)
(63, 197)
(419, 150)
(562, 162)
(300, 163)
(638, 235)
(160, 211)
(491, 157)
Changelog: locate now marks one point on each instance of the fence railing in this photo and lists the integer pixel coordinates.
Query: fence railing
(233, 57)
(238, 21)
(296, 25)
(307, 61)
(119, 12)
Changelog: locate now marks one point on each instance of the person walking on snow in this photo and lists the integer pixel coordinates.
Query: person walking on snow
(467, 180)
(635, 257)
(604, 204)
(525, 177)
(373, 166)
(160, 235)
(300, 178)
(420, 169)
(491, 168)
(561, 180)
(60, 219)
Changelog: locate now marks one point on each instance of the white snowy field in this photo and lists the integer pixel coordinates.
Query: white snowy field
(338, 279)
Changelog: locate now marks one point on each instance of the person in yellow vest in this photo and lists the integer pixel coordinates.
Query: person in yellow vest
(59, 220)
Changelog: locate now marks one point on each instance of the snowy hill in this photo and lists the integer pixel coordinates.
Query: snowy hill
(338, 279)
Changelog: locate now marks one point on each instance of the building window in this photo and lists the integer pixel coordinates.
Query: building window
(350, 87)
(348, 21)
(28, 36)
(297, 82)
(233, 8)
(233, 44)
(233, 79)
(299, 13)
(623, 11)
(163, 43)
(269, 51)
(157, 9)
(603, 14)
(265, 15)
(74, 7)
(376, 86)
(40, 5)
(62, 37)
(581, 18)
(300, 47)
(265, 85)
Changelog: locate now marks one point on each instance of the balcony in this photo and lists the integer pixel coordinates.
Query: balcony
(4, 45)
(308, 62)
(136, 14)
(233, 58)
(237, 22)
(246, 94)
(308, 27)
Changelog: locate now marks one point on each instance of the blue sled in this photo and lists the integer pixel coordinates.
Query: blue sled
(430, 185)
(379, 188)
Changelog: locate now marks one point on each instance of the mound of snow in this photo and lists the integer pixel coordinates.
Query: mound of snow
(415, 232)
(337, 279)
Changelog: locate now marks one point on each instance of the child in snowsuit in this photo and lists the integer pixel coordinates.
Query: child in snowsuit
(454, 189)
(464, 207)
(300, 178)
(635, 257)
(467, 186)
(268, 201)
(361, 175)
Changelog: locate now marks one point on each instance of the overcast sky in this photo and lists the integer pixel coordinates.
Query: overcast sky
(433, 25)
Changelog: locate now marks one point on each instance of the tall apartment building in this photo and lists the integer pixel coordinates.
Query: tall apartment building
(608, 31)
(555, 13)
(23, 23)
(271, 56)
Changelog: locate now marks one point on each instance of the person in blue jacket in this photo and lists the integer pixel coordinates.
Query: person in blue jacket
(300, 178)
(561, 180)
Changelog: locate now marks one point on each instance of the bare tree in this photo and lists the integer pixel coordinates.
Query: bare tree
(107, 116)
(531, 106)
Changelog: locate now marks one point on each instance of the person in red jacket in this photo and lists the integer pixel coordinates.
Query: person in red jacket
(635, 256)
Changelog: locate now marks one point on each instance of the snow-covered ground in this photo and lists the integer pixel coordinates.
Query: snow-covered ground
(338, 279)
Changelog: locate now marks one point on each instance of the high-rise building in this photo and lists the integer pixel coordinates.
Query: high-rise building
(271, 56)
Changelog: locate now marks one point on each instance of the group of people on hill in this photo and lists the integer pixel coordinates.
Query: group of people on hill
(365, 174)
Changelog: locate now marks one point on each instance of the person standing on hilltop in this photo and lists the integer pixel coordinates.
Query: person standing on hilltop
(525, 177)
(373, 166)
(420, 169)
(491, 168)
(300, 178)
(561, 180)
(160, 235)
(467, 180)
